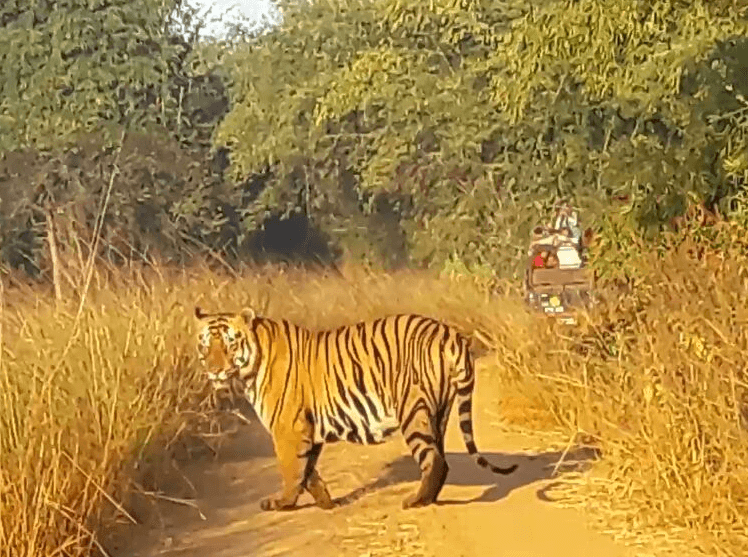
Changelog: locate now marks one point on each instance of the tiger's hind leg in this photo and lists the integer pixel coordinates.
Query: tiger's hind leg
(442, 419)
(297, 460)
(313, 481)
(427, 446)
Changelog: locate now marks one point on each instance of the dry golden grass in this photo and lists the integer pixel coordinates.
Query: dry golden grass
(657, 379)
(79, 399)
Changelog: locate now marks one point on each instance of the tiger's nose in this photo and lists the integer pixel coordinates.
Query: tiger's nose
(222, 375)
(221, 387)
(220, 380)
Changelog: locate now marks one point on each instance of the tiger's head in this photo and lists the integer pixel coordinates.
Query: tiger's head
(224, 347)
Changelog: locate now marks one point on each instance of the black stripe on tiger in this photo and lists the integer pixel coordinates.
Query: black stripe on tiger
(357, 383)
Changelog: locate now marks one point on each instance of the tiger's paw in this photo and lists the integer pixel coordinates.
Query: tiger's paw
(326, 504)
(275, 504)
(414, 501)
(268, 504)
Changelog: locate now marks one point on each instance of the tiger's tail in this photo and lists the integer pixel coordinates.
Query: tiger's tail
(464, 380)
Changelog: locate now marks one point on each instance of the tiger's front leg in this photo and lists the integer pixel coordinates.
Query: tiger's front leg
(297, 460)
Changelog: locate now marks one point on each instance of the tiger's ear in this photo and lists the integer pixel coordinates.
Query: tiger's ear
(199, 313)
(248, 314)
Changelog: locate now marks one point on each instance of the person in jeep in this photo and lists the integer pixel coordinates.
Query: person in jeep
(557, 280)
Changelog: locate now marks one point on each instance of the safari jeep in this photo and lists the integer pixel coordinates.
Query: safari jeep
(557, 279)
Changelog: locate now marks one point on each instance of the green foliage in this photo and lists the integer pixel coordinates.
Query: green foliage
(163, 198)
(474, 117)
(627, 51)
(444, 130)
(70, 66)
(620, 250)
(78, 76)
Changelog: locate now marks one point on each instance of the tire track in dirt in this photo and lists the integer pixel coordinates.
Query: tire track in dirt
(478, 513)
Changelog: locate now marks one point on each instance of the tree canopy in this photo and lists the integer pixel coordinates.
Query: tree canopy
(70, 66)
(76, 75)
(469, 118)
(421, 133)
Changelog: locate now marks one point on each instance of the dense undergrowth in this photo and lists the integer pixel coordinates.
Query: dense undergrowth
(656, 376)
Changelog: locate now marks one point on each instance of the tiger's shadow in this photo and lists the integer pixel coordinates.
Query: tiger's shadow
(251, 441)
(463, 471)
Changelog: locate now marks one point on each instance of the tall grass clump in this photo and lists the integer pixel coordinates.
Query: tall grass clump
(657, 378)
(83, 389)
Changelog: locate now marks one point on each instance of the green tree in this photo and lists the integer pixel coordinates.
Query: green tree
(74, 65)
(78, 73)
(471, 117)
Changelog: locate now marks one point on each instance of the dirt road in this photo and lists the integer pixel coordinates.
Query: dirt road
(478, 514)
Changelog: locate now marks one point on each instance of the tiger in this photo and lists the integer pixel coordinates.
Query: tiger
(358, 383)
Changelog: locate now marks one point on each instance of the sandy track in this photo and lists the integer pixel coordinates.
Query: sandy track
(478, 513)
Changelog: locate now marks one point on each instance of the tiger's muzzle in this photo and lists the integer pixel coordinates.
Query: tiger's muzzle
(222, 381)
